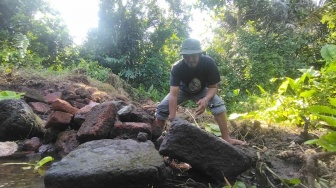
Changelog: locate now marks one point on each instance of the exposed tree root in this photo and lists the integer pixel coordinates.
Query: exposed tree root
(311, 163)
(310, 158)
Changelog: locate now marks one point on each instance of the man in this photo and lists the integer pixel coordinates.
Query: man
(195, 77)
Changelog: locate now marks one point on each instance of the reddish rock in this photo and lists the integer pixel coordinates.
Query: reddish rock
(52, 97)
(98, 122)
(80, 116)
(130, 129)
(87, 108)
(64, 106)
(59, 120)
(39, 107)
(83, 93)
(32, 144)
(66, 142)
(78, 104)
(68, 94)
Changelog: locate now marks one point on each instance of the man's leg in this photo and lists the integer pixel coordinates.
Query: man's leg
(218, 109)
(160, 123)
(162, 110)
(222, 123)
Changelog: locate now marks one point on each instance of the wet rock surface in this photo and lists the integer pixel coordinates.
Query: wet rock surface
(109, 163)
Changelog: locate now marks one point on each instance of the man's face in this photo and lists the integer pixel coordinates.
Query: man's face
(191, 60)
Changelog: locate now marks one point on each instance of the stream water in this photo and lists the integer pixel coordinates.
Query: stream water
(20, 174)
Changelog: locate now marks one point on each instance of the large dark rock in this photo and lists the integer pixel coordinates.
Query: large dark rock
(18, 121)
(109, 163)
(203, 151)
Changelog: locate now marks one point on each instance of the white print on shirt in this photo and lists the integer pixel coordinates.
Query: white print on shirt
(195, 85)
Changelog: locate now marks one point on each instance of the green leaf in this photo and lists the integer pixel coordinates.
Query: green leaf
(262, 90)
(322, 109)
(330, 69)
(311, 142)
(283, 87)
(236, 92)
(43, 161)
(239, 184)
(207, 128)
(294, 181)
(328, 141)
(214, 127)
(330, 120)
(217, 133)
(307, 94)
(328, 52)
(332, 101)
(10, 95)
(296, 84)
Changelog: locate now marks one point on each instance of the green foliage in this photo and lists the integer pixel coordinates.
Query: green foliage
(259, 41)
(328, 53)
(329, 18)
(151, 93)
(258, 56)
(326, 141)
(304, 96)
(132, 40)
(32, 35)
(10, 95)
(13, 48)
(213, 128)
(94, 70)
(311, 95)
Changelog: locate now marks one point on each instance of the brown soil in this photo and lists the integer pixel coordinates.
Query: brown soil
(278, 153)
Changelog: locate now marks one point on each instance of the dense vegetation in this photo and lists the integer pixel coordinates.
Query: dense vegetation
(277, 58)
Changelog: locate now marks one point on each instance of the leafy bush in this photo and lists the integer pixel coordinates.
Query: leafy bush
(327, 111)
(151, 93)
(94, 70)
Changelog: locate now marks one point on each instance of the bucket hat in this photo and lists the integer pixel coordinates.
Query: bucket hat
(191, 46)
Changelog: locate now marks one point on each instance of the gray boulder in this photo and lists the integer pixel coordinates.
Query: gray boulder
(109, 163)
(203, 151)
(18, 121)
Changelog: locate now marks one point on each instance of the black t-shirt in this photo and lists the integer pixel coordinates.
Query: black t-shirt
(194, 80)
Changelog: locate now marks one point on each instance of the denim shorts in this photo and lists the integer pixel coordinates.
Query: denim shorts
(216, 104)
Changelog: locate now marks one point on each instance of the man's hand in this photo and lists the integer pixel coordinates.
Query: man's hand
(171, 118)
(202, 104)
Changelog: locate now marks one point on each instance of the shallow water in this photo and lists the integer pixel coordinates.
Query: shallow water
(14, 176)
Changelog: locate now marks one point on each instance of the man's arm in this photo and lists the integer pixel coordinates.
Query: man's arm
(203, 103)
(173, 101)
